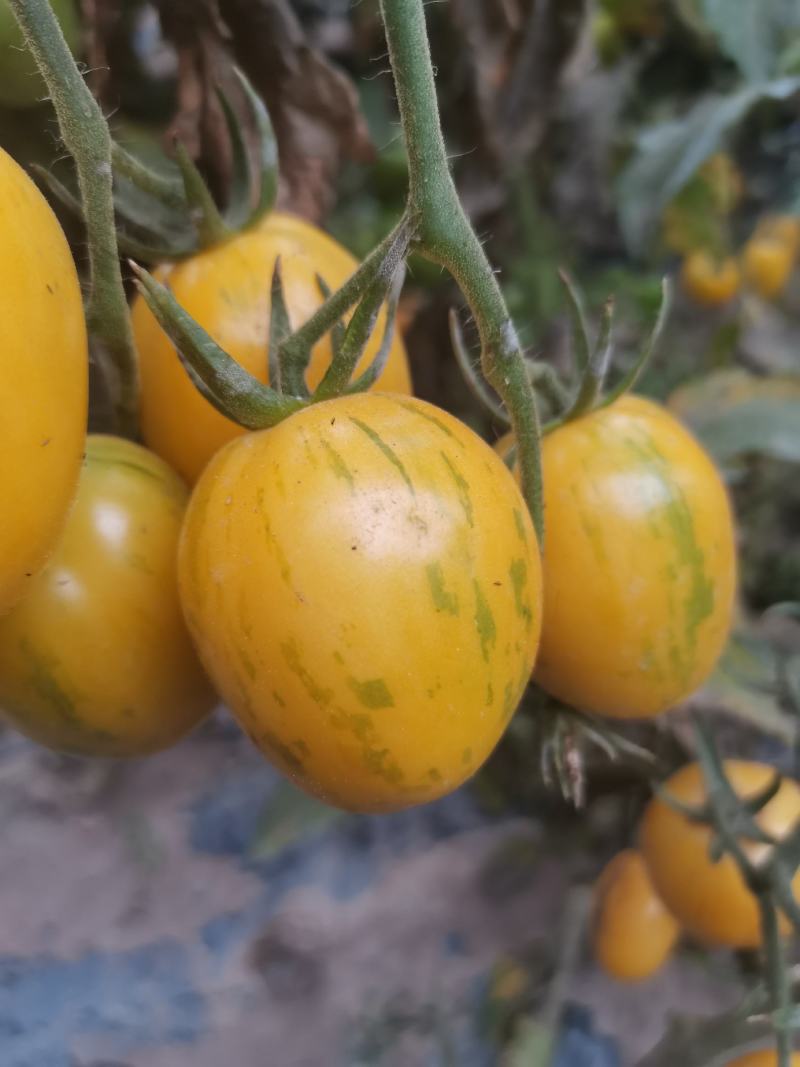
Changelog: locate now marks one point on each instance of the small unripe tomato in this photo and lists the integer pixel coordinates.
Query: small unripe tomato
(710, 282)
(363, 583)
(639, 564)
(711, 900)
(766, 264)
(96, 660)
(227, 290)
(633, 933)
(21, 84)
(44, 372)
(763, 1058)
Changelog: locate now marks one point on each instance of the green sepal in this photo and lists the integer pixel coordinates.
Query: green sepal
(337, 330)
(203, 212)
(168, 190)
(472, 374)
(362, 323)
(375, 369)
(282, 376)
(580, 331)
(548, 385)
(631, 377)
(237, 210)
(228, 386)
(267, 154)
(590, 388)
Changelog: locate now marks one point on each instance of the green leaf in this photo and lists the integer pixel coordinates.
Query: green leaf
(735, 413)
(748, 32)
(666, 155)
(746, 684)
(290, 816)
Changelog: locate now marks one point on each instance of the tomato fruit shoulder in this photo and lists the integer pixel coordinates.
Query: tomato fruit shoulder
(227, 290)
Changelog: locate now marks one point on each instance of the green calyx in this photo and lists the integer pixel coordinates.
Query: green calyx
(170, 214)
(592, 362)
(236, 393)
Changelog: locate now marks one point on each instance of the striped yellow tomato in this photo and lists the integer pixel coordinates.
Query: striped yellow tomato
(96, 660)
(44, 369)
(639, 563)
(227, 290)
(363, 584)
(633, 933)
(711, 899)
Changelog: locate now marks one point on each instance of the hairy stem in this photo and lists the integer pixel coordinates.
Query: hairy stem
(85, 133)
(444, 235)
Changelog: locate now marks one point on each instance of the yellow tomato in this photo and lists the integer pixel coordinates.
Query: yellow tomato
(227, 290)
(709, 282)
(363, 584)
(44, 368)
(763, 1058)
(633, 932)
(96, 660)
(639, 561)
(783, 228)
(766, 264)
(711, 899)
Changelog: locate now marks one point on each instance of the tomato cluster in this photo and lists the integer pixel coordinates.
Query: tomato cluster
(674, 883)
(362, 582)
(764, 266)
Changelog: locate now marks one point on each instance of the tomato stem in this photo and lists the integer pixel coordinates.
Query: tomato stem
(86, 136)
(769, 879)
(777, 979)
(445, 236)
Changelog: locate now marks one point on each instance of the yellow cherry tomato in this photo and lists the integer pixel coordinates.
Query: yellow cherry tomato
(767, 263)
(783, 228)
(763, 1058)
(227, 290)
(363, 584)
(44, 367)
(711, 899)
(639, 561)
(633, 933)
(96, 660)
(709, 282)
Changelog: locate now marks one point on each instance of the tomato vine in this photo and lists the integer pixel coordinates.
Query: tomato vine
(86, 135)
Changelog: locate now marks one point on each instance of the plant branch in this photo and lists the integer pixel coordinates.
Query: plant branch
(445, 236)
(85, 133)
(777, 978)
